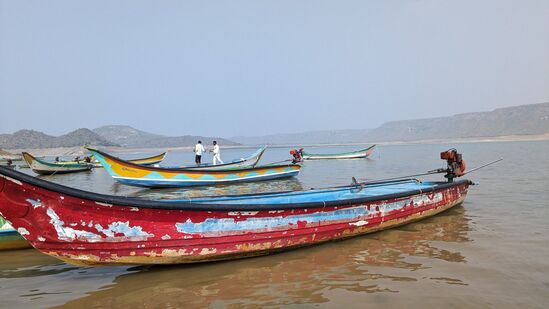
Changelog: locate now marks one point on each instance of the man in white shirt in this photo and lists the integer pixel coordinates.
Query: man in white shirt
(216, 154)
(198, 150)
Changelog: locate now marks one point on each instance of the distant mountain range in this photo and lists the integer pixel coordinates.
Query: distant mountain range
(124, 136)
(127, 136)
(36, 139)
(519, 120)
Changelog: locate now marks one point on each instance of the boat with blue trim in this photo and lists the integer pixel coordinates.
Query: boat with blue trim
(87, 228)
(151, 176)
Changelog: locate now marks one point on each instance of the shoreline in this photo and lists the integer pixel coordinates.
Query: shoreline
(77, 150)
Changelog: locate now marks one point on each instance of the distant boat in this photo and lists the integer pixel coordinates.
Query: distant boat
(149, 176)
(156, 159)
(152, 160)
(9, 238)
(46, 168)
(363, 153)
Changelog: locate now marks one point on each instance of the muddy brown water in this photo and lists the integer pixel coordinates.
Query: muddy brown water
(491, 251)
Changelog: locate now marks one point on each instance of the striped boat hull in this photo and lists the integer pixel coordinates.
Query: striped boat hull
(144, 176)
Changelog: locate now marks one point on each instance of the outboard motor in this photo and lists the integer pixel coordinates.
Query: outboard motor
(455, 164)
(296, 154)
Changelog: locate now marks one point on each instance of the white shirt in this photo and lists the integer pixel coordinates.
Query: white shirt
(199, 149)
(216, 150)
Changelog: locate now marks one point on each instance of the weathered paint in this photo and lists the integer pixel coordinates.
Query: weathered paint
(86, 232)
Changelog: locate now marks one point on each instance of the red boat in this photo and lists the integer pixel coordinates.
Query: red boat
(86, 228)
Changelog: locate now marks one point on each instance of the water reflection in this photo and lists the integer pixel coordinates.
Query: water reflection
(379, 263)
(37, 270)
(290, 184)
(29, 278)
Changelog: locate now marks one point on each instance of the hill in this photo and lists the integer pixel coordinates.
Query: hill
(530, 119)
(130, 137)
(35, 139)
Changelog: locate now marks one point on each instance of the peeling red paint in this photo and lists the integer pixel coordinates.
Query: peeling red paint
(165, 244)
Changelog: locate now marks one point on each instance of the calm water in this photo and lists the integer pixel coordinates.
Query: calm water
(493, 251)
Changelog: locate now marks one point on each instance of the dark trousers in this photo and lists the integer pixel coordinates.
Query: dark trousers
(197, 159)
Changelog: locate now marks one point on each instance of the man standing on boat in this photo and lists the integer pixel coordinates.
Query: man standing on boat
(198, 150)
(216, 154)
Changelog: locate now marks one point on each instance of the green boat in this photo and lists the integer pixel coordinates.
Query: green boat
(362, 153)
(10, 238)
(46, 168)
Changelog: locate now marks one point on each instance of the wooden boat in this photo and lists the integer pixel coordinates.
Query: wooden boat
(46, 168)
(9, 238)
(156, 159)
(152, 160)
(363, 153)
(86, 228)
(150, 176)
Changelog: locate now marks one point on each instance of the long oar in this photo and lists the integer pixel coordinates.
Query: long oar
(484, 165)
(438, 171)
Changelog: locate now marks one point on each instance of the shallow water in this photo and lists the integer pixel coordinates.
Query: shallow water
(492, 251)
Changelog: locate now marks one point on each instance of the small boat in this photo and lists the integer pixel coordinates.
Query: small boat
(251, 160)
(86, 228)
(46, 168)
(152, 160)
(150, 176)
(363, 153)
(156, 159)
(9, 238)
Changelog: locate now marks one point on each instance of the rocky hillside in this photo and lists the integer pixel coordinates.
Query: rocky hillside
(36, 139)
(519, 120)
(130, 137)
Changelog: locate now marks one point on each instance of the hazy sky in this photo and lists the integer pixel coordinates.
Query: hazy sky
(230, 68)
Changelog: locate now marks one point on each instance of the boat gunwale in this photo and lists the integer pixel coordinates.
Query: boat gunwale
(122, 201)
